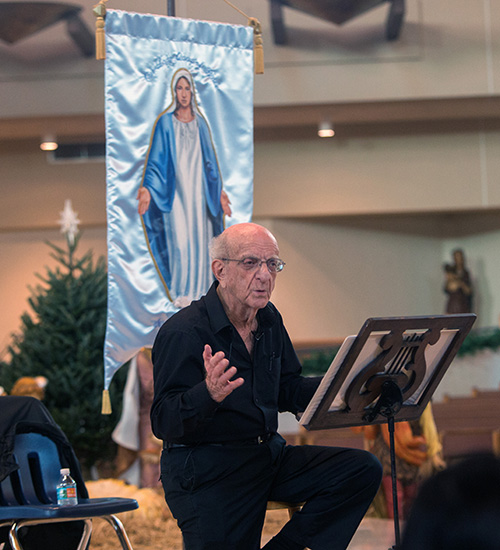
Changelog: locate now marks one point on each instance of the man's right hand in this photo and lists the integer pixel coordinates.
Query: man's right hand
(218, 379)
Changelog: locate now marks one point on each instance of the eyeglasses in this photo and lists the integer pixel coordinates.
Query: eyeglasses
(274, 265)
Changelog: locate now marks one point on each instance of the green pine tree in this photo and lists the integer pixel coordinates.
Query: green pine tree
(63, 341)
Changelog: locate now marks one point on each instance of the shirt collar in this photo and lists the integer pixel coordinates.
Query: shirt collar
(216, 314)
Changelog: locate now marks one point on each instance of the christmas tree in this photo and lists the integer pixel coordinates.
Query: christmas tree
(63, 340)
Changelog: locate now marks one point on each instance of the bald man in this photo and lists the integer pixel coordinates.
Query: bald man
(223, 368)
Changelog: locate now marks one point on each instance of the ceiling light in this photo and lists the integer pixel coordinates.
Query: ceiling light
(325, 129)
(48, 143)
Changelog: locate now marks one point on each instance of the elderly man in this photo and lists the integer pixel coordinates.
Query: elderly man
(223, 368)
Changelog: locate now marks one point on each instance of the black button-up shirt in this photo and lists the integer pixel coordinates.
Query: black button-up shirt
(184, 412)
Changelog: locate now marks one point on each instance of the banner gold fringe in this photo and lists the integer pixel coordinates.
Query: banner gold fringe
(106, 402)
(100, 45)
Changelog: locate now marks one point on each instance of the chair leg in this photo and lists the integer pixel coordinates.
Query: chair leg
(16, 544)
(14, 541)
(8, 524)
(87, 531)
(120, 531)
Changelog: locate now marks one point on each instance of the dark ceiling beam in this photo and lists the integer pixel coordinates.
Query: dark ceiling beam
(466, 111)
(379, 112)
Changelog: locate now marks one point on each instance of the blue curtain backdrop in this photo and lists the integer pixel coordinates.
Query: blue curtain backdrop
(143, 53)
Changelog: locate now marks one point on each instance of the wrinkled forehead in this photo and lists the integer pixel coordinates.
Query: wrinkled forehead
(262, 247)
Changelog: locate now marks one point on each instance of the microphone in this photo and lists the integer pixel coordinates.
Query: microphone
(257, 335)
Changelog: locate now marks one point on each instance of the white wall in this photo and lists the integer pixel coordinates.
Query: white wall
(34, 190)
(25, 254)
(336, 278)
(377, 174)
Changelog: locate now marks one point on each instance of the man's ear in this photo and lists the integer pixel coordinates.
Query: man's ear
(219, 270)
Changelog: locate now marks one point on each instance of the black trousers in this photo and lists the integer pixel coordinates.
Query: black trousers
(219, 493)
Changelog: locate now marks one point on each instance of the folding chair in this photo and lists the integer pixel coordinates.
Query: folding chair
(28, 494)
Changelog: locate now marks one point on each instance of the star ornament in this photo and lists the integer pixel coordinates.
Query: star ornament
(69, 221)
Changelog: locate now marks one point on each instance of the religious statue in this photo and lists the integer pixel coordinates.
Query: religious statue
(458, 285)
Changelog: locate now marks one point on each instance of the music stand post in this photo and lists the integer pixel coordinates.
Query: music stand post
(388, 404)
(387, 373)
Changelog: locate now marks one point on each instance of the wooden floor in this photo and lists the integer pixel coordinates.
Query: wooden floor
(374, 534)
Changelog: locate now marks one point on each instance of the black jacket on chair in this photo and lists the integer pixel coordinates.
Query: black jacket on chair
(19, 414)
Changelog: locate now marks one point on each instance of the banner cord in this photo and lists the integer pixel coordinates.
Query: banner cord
(257, 39)
(237, 9)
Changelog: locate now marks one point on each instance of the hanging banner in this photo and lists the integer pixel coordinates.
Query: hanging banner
(179, 165)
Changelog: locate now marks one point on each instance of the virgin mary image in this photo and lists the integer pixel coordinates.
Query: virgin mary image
(181, 199)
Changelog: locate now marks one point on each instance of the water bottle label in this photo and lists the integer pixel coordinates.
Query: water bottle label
(66, 495)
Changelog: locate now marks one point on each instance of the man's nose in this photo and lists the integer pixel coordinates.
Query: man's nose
(263, 269)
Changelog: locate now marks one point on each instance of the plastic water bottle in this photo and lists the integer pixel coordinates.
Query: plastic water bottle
(66, 489)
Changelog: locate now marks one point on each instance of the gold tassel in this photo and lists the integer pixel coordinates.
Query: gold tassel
(258, 48)
(100, 46)
(106, 402)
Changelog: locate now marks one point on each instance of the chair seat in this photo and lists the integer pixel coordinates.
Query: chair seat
(86, 508)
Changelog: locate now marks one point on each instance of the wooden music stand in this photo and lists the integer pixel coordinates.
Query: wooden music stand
(387, 373)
